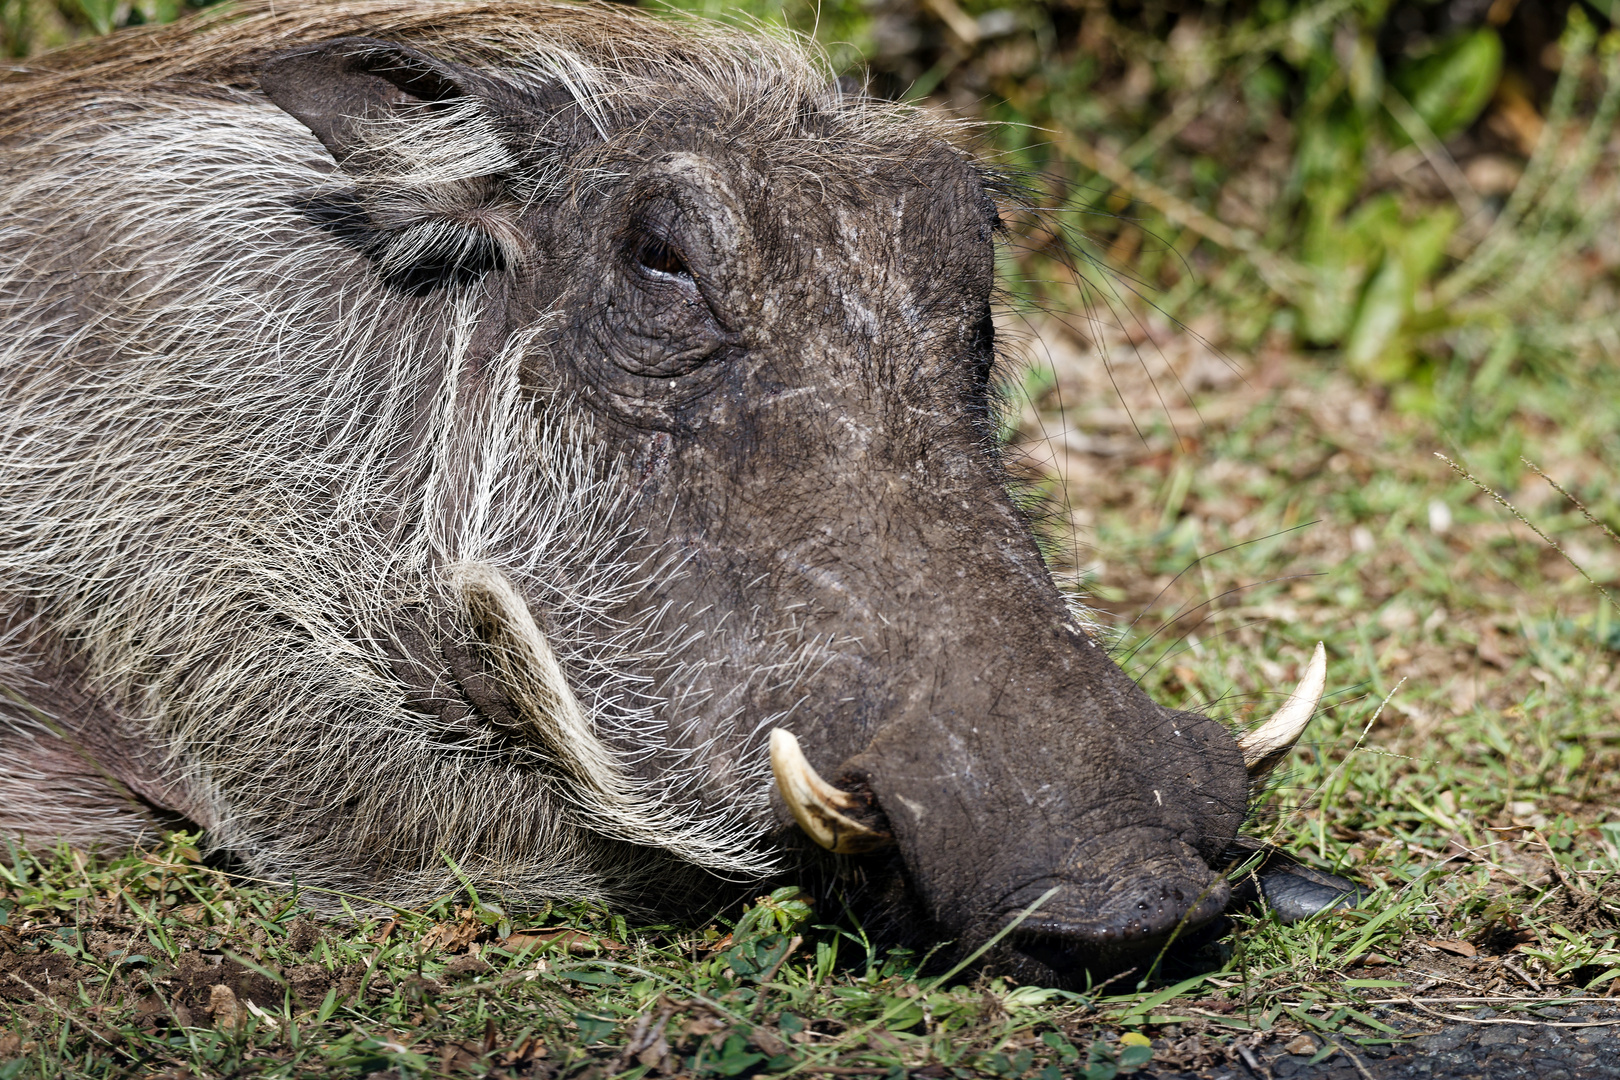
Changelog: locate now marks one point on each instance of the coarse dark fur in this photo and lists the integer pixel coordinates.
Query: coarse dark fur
(458, 433)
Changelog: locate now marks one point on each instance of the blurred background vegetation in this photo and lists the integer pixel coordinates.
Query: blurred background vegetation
(1421, 190)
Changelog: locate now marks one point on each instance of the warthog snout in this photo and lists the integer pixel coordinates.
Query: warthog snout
(1118, 848)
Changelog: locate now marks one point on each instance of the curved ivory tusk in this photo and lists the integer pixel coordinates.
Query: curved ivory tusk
(817, 806)
(1265, 746)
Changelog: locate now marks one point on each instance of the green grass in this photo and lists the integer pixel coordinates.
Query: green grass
(155, 961)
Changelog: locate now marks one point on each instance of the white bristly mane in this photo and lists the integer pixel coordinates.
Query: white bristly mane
(230, 457)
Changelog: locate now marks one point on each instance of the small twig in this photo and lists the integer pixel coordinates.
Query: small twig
(1096, 991)
(1439, 978)
(1252, 1062)
(1506, 1020)
(963, 25)
(1520, 972)
(759, 1002)
(1354, 1060)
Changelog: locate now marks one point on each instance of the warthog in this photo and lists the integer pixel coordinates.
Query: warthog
(492, 438)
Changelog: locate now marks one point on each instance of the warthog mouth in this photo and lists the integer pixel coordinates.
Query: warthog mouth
(1132, 931)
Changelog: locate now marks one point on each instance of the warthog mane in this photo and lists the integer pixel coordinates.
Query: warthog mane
(197, 395)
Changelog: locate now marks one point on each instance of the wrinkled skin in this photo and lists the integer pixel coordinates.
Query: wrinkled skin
(1009, 752)
(798, 373)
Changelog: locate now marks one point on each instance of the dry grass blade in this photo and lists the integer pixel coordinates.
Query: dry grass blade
(1527, 523)
(1587, 514)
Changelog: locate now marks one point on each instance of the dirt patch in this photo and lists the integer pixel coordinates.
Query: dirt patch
(195, 974)
(303, 935)
(1583, 908)
(28, 977)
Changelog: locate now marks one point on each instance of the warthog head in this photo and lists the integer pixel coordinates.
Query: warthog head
(500, 434)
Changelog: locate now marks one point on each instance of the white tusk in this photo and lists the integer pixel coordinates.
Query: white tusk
(817, 806)
(1265, 746)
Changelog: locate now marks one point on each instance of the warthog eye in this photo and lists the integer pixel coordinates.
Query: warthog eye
(658, 257)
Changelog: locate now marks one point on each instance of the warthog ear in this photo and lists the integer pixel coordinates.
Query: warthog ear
(340, 88)
(436, 153)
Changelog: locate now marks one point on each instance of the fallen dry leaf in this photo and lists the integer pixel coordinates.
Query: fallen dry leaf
(1489, 650)
(458, 1057)
(1371, 959)
(223, 1006)
(574, 941)
(704, 1025)
(530, 1049)
(1455, 948)
(769, 1041)
(454, 936)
